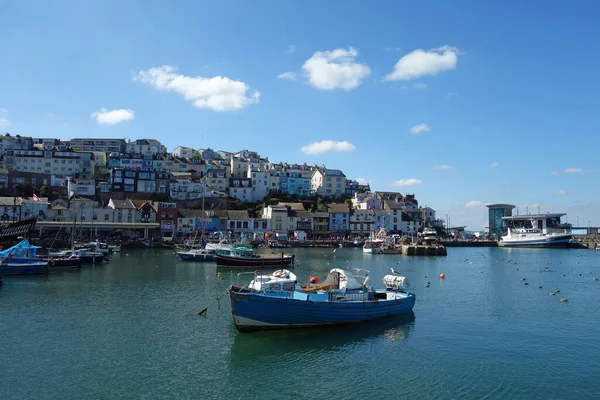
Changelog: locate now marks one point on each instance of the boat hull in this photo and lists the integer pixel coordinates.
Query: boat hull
(262, 261)
(255, 312)
(196, 257)
(555, 241)
(57, 263)
(92, 259)
(17, 268)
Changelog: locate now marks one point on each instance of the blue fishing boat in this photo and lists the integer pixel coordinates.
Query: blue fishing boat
(277, 301)
(21, 259)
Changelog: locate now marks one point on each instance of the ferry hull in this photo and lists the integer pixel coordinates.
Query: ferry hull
(253, 312)
(561, 241)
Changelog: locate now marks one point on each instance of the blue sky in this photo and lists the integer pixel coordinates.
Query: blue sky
(462, 103)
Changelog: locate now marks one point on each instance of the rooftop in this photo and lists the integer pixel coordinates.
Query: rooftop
(500, 205)
(534, 216)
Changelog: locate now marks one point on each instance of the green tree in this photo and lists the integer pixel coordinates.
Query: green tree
(24, 189)
(44, 191)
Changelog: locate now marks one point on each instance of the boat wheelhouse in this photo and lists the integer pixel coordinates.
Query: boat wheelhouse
(536, 230)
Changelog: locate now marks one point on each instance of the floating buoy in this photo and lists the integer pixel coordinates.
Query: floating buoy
(564, 300)
(442, 276)
(219, 275)
(314, 280)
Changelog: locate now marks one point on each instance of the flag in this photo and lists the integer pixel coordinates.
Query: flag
(36, 198)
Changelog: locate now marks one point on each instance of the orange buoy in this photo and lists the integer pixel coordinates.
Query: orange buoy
(218, 275)
(314, 280)
(442, 276)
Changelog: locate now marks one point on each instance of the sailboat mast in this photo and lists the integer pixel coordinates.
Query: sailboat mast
(203, 216)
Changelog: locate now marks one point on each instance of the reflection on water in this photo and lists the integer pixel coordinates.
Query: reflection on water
(317, 340)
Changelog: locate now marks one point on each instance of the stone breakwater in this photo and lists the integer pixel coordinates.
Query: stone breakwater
(587, 241)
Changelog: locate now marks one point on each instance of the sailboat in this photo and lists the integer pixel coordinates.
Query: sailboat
(86, 255)
(202, 253)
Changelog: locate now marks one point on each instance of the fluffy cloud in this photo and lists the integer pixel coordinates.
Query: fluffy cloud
(407, 182)
(287, 75)
(111, 117)
(420, 128)
(494, 164)
(329, 70)
(442, 167)
(218, 93)
(573, 171)
(325, 146)
(472, 204)
(422, 62)
(4, 122)
(561, 192)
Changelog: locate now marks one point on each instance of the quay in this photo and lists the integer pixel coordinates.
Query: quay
(423, 250)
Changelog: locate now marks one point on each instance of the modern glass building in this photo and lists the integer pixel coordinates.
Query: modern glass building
(496, 224)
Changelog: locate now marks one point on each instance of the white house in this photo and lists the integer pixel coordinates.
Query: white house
(278, 215)
(183, 152)
(260, 182)
(241, 189)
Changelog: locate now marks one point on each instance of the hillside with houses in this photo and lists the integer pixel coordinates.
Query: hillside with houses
(138, 187)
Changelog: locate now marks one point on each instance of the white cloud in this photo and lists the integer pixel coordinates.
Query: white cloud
(472, 204)
(494, 164)
(291, 49)
(407, 182)
(49, 115)
(442, 167)
(218, 93)
(420, 85)
(555, 173)
(451, 94)
(561, 192)
(4, 122)
(287, 75)
(420, 128)
(421, 62)
(3, 110)
(111, 117)
(329, 70)
(573, 171)
(325, 146)
(364, 181)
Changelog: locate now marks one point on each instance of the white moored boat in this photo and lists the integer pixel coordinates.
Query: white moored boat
(540, 230)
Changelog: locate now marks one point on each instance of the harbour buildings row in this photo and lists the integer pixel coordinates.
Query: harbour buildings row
(366, 213)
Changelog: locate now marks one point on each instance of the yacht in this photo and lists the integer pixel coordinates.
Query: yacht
(539, 230)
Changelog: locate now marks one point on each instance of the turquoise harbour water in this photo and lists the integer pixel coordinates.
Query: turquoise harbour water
(129, 329)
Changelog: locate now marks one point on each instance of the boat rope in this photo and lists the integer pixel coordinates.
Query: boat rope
(213, 302)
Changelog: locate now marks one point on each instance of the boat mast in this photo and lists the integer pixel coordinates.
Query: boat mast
(203, 216)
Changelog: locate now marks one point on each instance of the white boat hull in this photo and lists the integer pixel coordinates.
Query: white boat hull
(557, 241)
